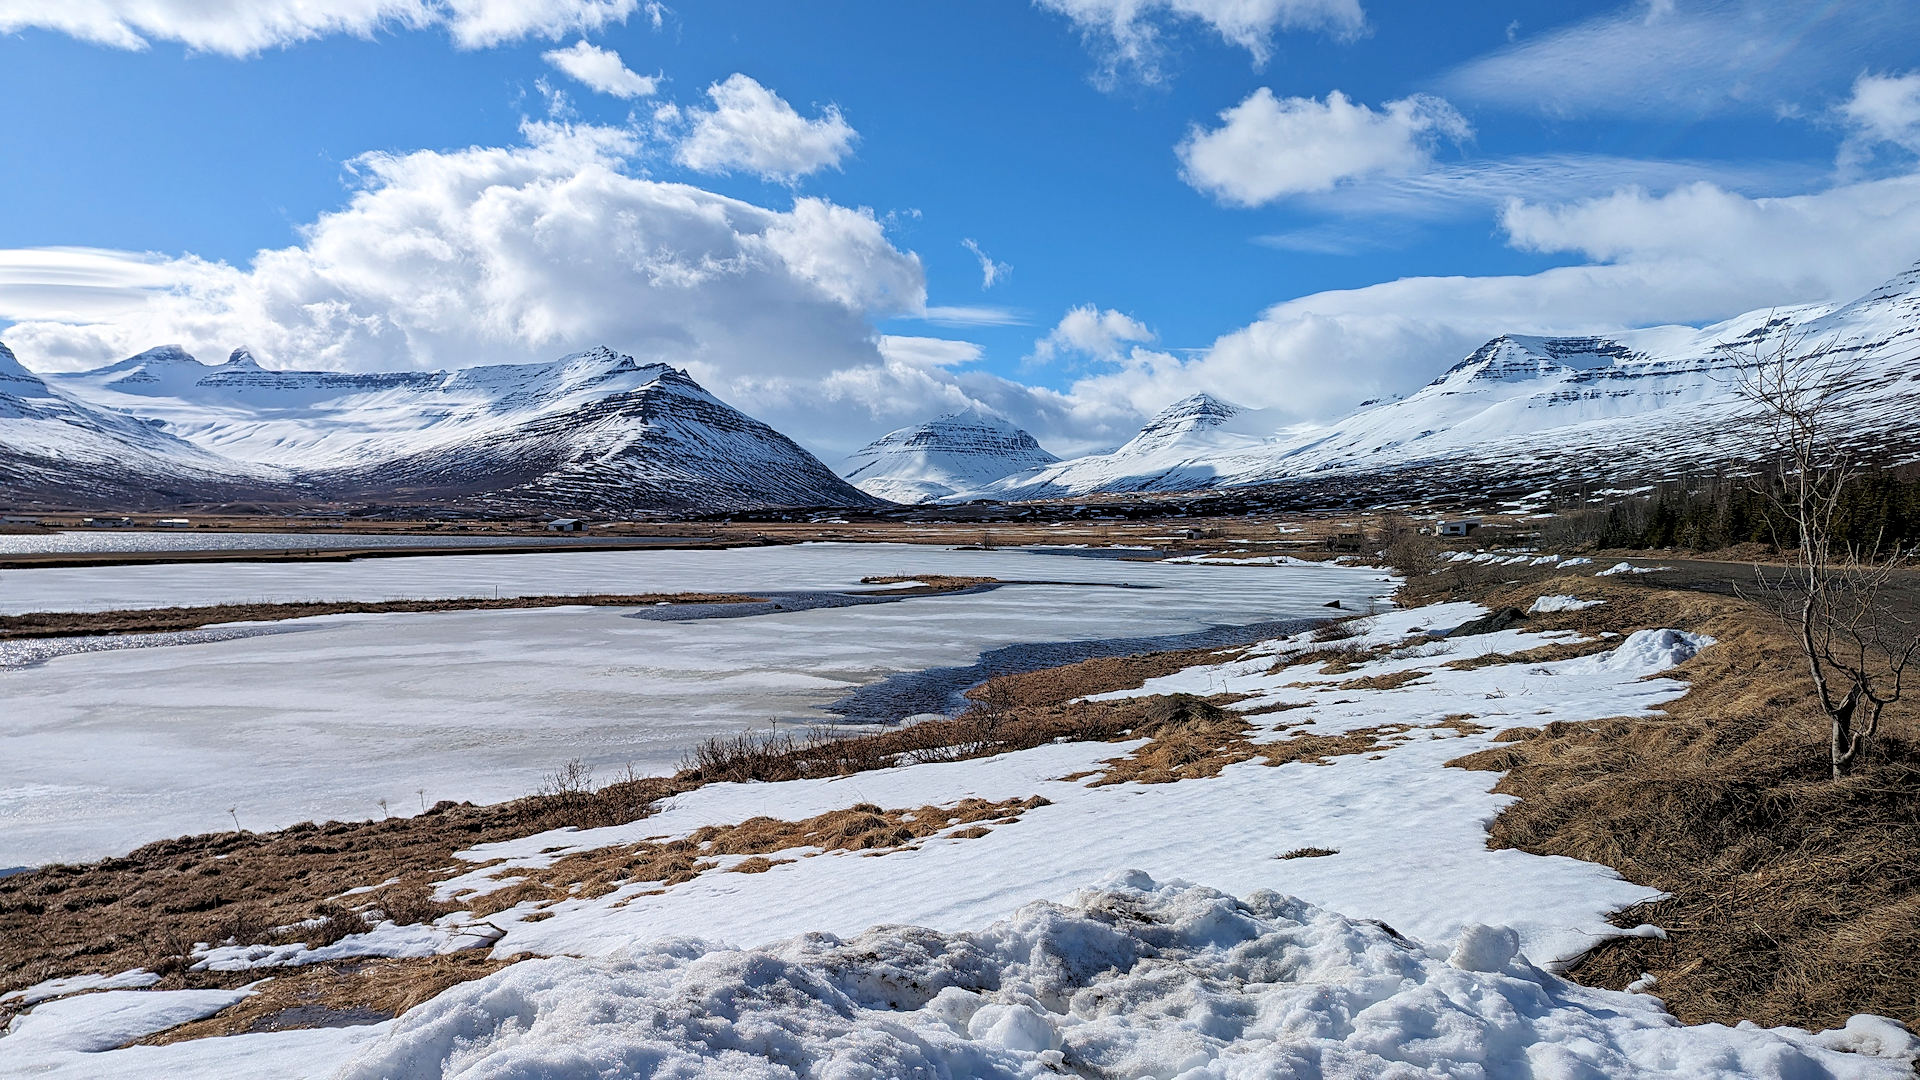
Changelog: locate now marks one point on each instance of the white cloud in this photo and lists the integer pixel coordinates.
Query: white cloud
(246, 28)
(1267, 148)
(990, 272)
(1127, 33)
(752, 128)
(1884, 109)
(1091, 333)
(600, 69)
(972, 315)
(1694, 58)
(1694, 255)
(929, 352)
(496, 255)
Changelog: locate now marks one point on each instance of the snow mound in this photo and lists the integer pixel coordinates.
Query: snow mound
(1629, 568)
(1549, 605)
(1646, 652)
(1130, 978)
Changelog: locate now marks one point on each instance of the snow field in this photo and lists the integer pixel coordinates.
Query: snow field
(1412, 951)
(328, 716)
(1131, 978)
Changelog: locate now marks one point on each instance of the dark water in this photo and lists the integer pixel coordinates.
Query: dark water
(779, 602)
(1136, 553)
(942, 689)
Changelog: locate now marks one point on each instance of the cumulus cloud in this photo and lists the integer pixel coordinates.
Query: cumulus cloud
(244, 29)
(1884, 110)
(1661, 57)
(990, 271)
(1693, 255)
(496, 255)
(1267, 148)
(750, 128)
(1091, 333)
(1127, 34)
(600, 69)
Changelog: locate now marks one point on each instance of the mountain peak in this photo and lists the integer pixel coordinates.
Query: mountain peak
(959, 451)
(162, 354)
(1192, 412)
(242, 357)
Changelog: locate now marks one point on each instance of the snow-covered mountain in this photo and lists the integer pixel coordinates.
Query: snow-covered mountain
(961, 451)
(592, 433)
(52, 445)
(1176, 451)
(1532, 412)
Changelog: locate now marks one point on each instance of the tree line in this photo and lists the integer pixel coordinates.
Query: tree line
(1877, 511)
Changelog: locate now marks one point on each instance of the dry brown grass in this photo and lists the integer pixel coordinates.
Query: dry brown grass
(150, 907)
(44, 624)
(863, 827)
(1392, 680)
(927, 584)
(1796, 899)
(363, 991)
(1191, 738)
(1101, 675)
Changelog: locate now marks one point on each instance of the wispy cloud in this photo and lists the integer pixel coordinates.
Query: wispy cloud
(975, 315)
(990, 271)
(1127, 35)
(244, 29)
(1663, 57)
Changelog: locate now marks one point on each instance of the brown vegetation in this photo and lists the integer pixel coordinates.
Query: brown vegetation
(863, 827)
(150, 907)
(43, 624)
(360, 991)
(1795, 898)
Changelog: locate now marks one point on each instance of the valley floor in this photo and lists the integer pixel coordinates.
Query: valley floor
(1270, 860)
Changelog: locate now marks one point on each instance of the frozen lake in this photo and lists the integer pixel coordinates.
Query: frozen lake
(134, 540)
(102, 751)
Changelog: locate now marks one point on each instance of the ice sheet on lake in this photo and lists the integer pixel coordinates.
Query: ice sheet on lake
(415, 708)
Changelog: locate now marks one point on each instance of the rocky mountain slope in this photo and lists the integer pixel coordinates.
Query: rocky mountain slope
(593, 433)
(961, 451)
(1524, 414)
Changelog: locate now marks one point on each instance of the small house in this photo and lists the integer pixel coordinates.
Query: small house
(566, 525)
(174, 523)
(1462, 527)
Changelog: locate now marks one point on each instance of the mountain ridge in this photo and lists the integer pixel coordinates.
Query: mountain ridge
(594, 433)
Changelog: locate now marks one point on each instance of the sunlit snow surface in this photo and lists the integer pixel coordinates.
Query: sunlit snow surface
(1410, 950)
(327, 716)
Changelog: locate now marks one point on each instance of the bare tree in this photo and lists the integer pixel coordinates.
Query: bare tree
(1831, 590)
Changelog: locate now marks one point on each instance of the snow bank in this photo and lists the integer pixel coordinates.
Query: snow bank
(1645, 651)
(387, 939)
(1549, 605)
(90, 1023)
(1628, 568)
(73, 984)
(1131, 978)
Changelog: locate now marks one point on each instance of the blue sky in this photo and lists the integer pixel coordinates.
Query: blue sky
(1391, 184)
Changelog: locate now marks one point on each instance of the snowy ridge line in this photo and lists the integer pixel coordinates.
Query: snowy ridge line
(594, 432)
(1528, 412)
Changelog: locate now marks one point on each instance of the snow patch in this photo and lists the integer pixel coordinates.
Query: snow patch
(1130, 978)
(1549, 605)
